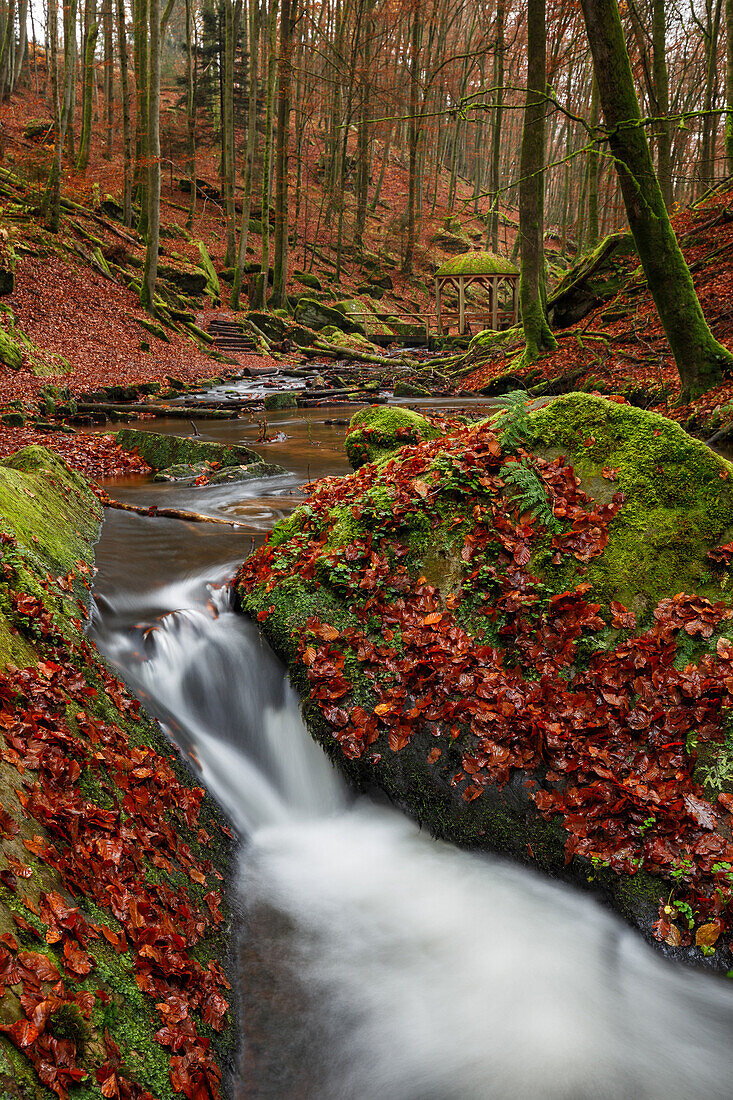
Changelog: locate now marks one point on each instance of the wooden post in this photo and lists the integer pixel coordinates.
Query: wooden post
(461, 305)
(437, 307)
(494, 302)
(515, 302)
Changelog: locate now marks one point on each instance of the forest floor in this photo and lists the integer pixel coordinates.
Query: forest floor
(87, 331)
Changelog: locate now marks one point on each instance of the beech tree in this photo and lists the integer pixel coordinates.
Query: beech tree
(701, 360)
(537, 334)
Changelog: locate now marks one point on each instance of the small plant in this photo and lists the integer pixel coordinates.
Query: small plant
(512, 419)
(648, 824)
(681, 871)
(529, 492)
(685, 911)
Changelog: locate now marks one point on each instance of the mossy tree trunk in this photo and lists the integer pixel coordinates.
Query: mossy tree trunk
(190, 115)
(231, 20)
(150, 274)
(363, 136)
(701, 360)
(90, 44)
(413, 140)
(492, 229)
(5, 52)
(108, 77)
(285, 82)
(729, 86)
(126, 114)
(61, 110)
(140, 32)
(538, 337)
(267, 149)
(52, 198)
(254, 53)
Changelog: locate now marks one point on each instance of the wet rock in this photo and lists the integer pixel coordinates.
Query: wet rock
(378, 432)
(409, 389)
(163, 451)
(283, 400)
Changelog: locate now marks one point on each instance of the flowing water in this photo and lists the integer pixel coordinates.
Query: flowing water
(376, 962)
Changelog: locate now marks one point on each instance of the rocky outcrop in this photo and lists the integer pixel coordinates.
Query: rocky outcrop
(520, 631)
(112, 917)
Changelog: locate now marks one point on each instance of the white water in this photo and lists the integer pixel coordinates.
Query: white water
(412, 971)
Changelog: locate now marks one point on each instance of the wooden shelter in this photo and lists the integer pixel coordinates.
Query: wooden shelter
(498, 277)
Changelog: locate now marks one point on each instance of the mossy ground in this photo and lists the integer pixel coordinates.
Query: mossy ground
(49, 520)
(374, 433)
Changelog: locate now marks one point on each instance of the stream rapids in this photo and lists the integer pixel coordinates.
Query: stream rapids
(376, 962)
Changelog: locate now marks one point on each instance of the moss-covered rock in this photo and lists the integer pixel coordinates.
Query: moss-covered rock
(84, 775)
(308, 279)
(409, 389)
(347, 342)
(285, 399)
(318, 315)
(520, 630)
(162, 451)
(374, 433)
(249, 472)
(213, 287)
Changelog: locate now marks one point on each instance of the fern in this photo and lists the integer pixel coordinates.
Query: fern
(512, 418)
(529, 492)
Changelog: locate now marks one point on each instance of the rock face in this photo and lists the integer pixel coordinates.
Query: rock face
(110, 895)
(519, 630)
(162, 451)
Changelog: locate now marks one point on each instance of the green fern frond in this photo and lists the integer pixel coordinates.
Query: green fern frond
(529, 492)
(511, 419)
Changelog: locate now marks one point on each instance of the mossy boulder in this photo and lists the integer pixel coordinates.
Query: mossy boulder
(375, 433)
(308, 279)
(205, 264)
(318, 315)
(162, 451)
(99, 818)
(287, 399)
(521, 631)
(274, 327)
(409, 389)
(347, 342)
(11, 352)
(188, 279)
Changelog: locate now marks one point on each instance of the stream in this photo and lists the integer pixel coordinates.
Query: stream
(375, 962)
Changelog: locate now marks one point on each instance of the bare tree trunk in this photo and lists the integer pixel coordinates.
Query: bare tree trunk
(729, 85)
(662, 128)
(593, 170)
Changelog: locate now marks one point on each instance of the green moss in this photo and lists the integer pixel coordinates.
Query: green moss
(677, 507)
(162, 451)
(375, 432)
(478, 263)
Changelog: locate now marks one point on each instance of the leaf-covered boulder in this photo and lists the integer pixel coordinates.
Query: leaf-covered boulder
(112, 910)
(521, 631)
(375, 432)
